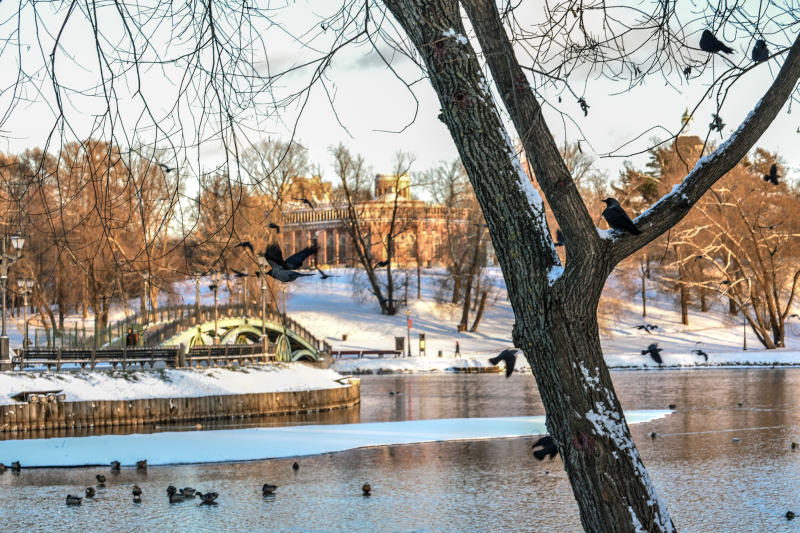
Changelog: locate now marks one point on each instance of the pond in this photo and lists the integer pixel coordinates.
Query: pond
(710, 481)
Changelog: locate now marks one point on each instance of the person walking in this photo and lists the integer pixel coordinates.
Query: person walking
(131, 339)
(458, 349)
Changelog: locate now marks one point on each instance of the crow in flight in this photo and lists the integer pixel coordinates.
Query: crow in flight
(548, 446)
(307, 202)
(323, 274)
(509, 357)
(380, 264)
(655, 352)
(710, 44)
(772, 177)
(246, 245)
(701, 353)
(284, 270)
(617, 218)
(274, 226)
(165, 168)
(760, 52)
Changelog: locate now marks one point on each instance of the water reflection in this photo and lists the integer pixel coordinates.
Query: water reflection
(710, 482)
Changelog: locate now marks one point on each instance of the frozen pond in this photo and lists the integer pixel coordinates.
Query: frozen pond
(710, 482)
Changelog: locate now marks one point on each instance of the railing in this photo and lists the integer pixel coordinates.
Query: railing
(338, 354)
(141, 356)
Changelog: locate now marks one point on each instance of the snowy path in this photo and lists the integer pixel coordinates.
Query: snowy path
(268, 443)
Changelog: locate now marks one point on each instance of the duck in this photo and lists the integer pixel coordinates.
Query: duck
(176, 497)
(141, 465)
(90, 492)
(365, 488)
(115, 466)
(73, 500)
(16, 467)
(209, 498)
(137, 491)
(188, 492)
(268, 490)
(3, 468)
(101, 480)
(295, 466)
(171, 490)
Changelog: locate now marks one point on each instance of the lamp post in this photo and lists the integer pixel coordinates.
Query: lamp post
(26, 287)
(146, 277)
(408, 329)
(6, 260)
(196, 277)
(262, 265)
(215, 278)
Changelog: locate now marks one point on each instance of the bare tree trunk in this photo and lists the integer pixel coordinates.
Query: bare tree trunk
(479, 313)
(732, 307)
(644, 294)
(473, 268)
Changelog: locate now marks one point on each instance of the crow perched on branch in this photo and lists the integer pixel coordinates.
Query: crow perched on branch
(709, 43)
(760, 52)
(617, 218)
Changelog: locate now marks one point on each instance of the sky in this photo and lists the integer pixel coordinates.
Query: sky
(373, 112)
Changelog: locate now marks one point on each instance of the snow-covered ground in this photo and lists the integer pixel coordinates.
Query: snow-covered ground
(184, 383)
(267, 443)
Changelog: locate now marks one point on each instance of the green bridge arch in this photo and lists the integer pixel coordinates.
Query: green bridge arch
(240, 330)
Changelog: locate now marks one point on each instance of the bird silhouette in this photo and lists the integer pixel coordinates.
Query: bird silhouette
(380, 264)
(141, 465)
(323, 274)
(548, 447)
(509, 357)
(655, 352)
(137, 493)
(16, 467)
(165, 168)
(284, 269)
(209, 498)
(115, 466)
(772, 177)
(716, 123)
(307, 202)
(649, 328)
(295, 466)
(176, 497)
(617, 218)
(239, 274)
(687, 72)
(701, 353)
(171, 490)
(559, 237)
(274, 226)
(247, 245)
(90, 492)
(584, 106)
(101, 480)
(73, 500)
(760, 52)
(709, 43)
(365, 489)
(268, 490)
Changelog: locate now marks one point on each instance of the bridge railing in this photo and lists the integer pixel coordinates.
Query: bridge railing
(143, 356)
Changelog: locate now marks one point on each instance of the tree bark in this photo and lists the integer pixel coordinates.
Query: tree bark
(479, 312)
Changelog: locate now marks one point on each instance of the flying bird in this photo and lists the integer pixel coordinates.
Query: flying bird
(760, 52)
(307, 202)
(380, 264)
(687, 72)
(716, 123)
(617, 218)
(323, 274)
(649, 328)
(772, 177)
(284, 270)
(165, 168)
(274, 226)
(509, 357)
(559, 237)
(246, 245)
(239, 274)
(655, 352)
(701, 353)
(710, 44)
(548, 447)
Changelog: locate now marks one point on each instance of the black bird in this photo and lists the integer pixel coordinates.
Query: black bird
(90, 492)
(274, 226)
(284, 270)
(73, 500)
(509, 357)
(141, 465)
(268, 490)
(307, 202)
(584, 106)
(795, 445)
(16, 467)
(716, 123)
(760, 52)
(710, 44)
(687, 72)
(772, 177)
(559, 237)
(789, 515)
(165, 168)
(617, 218)
(188, 492)
(137, 494)
(295, 466)
(171, 490)
(701, 353)
(548, 447)
(380, 264)
(649, 328)
(3, 468)
(653, 435)
(323, 274)
(115, 466)
(101, 480)
(239, 274)
(365, 489)
(209, 498)
(655, 352)
(176, 497)
(246, 245)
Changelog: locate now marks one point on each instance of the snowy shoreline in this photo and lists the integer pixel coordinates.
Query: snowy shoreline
(170, 383)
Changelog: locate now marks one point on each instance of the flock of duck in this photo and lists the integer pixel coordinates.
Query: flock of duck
(174, 494)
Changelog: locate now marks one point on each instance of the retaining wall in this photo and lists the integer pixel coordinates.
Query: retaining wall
(24, 417)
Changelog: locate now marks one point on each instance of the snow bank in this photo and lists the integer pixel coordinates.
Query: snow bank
(131, 385)
(267, 443)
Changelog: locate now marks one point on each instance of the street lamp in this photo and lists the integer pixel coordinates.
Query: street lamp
(26, 287)
(215, 278)
(6, 260)
(408, 328)
(262, 267)
(146, 277)
(196, 276)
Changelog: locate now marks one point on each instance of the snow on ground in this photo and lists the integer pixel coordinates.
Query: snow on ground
(130, 385)
(268, 443)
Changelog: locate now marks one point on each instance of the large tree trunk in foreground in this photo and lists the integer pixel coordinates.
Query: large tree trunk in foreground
(555, 307)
